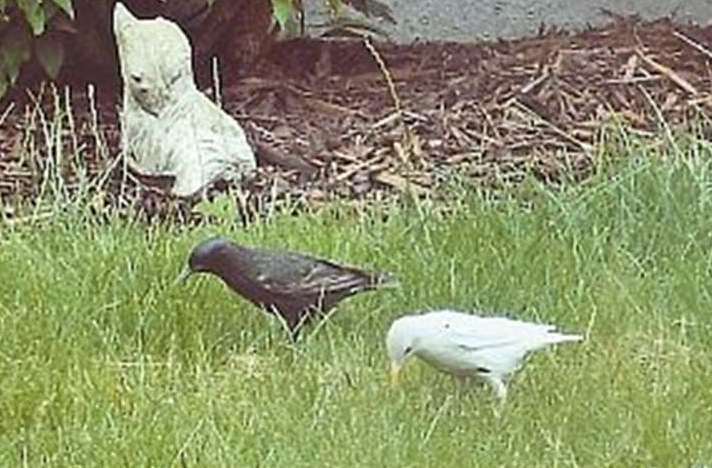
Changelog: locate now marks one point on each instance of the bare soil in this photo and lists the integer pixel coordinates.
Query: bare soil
(326, 125)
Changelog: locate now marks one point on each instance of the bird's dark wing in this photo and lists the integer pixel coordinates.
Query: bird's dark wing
(264, 266)
(292, 273)
(327, 277)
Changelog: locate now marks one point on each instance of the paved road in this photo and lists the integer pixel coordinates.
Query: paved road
(475, 20)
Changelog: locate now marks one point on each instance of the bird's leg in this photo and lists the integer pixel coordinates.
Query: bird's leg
(462, 384)
(297, 323)
(289, 324)
(500, 389)
(322, 318)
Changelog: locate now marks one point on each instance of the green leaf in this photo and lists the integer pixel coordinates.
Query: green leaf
(66, 6)
(50, 54)
(34, 14)
(15, 49)
(282, 11)
(3, 83)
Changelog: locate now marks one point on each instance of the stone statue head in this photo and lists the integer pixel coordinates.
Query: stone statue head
(155, 59)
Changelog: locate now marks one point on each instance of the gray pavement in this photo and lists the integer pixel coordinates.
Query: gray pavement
(476, 20)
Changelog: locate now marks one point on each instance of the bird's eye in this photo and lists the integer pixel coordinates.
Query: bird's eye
(408, 350)
(136, 78)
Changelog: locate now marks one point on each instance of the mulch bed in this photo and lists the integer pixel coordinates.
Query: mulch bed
(326, 125)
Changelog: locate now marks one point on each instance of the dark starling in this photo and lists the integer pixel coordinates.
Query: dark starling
(296, 287)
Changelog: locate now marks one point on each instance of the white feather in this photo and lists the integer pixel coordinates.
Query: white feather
(469, 345)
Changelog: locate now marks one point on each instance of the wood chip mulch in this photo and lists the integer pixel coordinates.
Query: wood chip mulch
(326, 124)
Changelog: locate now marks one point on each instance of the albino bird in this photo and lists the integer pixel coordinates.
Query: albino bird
(465, 345)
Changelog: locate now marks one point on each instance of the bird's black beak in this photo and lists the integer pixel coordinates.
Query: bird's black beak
(184, 275)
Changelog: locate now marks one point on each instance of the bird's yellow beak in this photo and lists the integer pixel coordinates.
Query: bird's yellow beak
(395, 371)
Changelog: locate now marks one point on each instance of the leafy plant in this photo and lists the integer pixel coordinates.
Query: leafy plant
(29, 29)
(289, 14)
(23, 24)
(284, 10)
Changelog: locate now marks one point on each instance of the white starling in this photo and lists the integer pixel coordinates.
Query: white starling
(466, 345)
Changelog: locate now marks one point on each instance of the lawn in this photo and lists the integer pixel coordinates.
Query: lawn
(105, 361)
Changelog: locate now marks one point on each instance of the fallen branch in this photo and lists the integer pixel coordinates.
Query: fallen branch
(668, 72)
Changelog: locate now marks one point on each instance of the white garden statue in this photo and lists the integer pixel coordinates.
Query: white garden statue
(168, 126)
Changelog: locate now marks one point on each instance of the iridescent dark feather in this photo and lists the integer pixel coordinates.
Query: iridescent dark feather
(296, 287)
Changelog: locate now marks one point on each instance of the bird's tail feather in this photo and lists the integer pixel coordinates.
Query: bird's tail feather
(562, 338)
(384, 280)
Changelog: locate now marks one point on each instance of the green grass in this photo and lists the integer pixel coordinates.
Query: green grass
(105, 362)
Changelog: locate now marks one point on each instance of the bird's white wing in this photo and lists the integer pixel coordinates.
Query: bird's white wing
(476, 332)
(497, 344)
(481, 339)
(467, 344)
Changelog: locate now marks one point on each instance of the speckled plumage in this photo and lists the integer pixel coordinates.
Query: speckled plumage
(297, 287)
